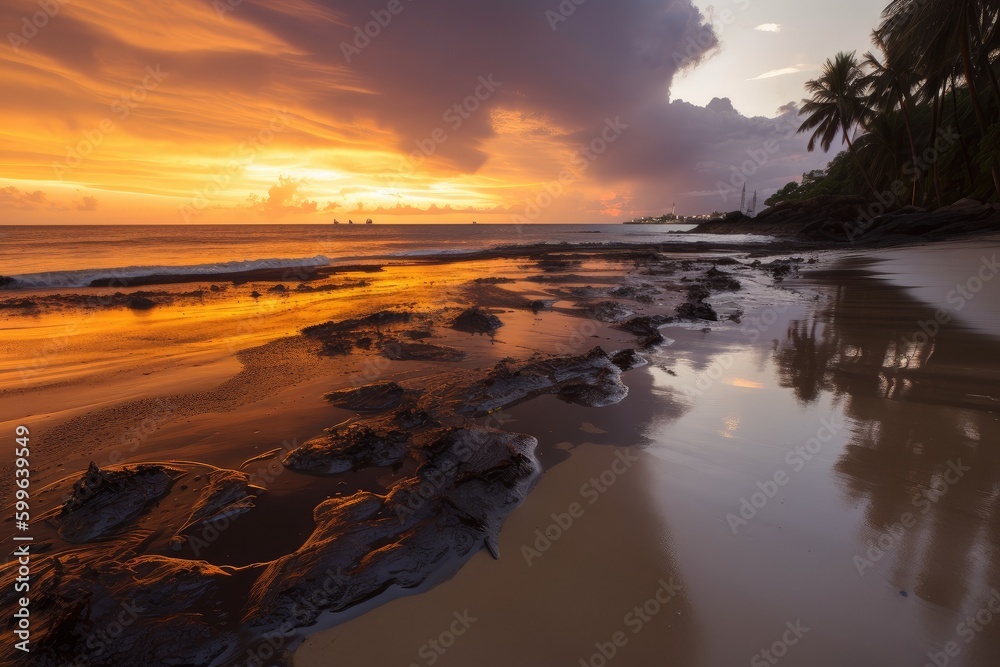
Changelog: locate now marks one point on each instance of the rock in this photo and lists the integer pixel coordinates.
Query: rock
(164, 605)
(626, 360)
(141, 303)
(641, 293)
(353, 447)
(369, 398)
(402, 351)
(278, 289)
(255, 294)
(720, 281)
(494, 281)
(378, 320)
(455, 504)
(340, 338)
(227, 494)
(608, 311)
(21, 304)
(963, 205)
(646, 328)
(104, 501)
(477, 321)
(697, 311)
(590, 379)
(597, 391)
(419, 334)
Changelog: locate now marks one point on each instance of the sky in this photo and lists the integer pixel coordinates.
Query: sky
(303, 111)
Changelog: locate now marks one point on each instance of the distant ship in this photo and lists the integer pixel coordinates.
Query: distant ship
(368, 221)
(336, 222)
(474, 222)
(350, 222)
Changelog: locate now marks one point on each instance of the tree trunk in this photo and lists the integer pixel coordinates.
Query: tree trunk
(857, 159)
(961, 138)
(984, 60)
(935, 126)
(970, 78)
(913, 147)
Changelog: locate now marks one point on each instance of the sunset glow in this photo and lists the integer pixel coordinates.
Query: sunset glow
(240, 111)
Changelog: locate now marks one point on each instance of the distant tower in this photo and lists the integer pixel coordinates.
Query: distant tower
(673, 211)
(752, 211)
(743, 199)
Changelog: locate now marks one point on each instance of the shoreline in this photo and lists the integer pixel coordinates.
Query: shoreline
(801, 548)
(562, 305)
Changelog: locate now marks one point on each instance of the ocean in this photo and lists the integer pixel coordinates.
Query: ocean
(72, 256)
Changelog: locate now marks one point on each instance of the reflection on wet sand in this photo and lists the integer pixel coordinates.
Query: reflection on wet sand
(923, 460)
(599, 593)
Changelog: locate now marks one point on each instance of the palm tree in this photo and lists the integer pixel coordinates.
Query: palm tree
(884, 148)
(837, 105)
(891, 83)
(936, 36)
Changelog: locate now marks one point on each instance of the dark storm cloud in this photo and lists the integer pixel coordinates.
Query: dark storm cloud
(601, 60)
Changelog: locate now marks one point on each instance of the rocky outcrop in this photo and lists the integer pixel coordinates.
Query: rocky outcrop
(470, 480)
(398, 350)
(590, 379)
(646, 328)
(340, 338)
(610, 312)
(373, 397)
(383, 442)
(452, 486)
(477, 321)
(141, 303)
(226, 494)
(120, 611)
(107, 500)
(843, 219)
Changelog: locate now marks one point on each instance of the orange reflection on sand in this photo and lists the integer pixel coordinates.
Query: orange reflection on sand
(744, 383)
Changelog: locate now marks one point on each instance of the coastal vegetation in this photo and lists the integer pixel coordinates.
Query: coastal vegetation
(919, 115)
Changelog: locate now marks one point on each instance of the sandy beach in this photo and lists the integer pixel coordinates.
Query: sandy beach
(815, 455)
(380, 333)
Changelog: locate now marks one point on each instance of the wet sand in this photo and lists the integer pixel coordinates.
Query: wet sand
(717, 414)
(739, 405)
